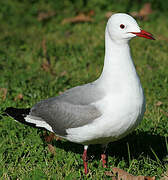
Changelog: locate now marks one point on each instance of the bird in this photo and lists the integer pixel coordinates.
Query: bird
(104, 110)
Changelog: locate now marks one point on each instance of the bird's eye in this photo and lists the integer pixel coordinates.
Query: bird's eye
(122, 26)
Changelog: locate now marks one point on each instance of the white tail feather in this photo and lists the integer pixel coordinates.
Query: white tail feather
(38, 123)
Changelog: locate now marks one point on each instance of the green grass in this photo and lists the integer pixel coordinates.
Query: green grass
(76, 53)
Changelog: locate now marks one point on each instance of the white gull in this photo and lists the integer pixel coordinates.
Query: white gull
(105, 110)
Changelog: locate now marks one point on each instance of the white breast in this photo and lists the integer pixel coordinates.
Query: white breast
(120, 115)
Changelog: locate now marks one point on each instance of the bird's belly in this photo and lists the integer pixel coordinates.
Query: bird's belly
(117, 120)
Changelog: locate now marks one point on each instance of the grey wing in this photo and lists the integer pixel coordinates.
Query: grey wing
(82, 95)
(62, 115)
(71, 109)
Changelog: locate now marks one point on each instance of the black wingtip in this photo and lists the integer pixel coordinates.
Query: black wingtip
(16, 113)
(19, 115)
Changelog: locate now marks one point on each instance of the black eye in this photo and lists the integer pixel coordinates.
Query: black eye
(122, 26)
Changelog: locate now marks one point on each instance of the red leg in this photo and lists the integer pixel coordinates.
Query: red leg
(103, 158)
(84, 157)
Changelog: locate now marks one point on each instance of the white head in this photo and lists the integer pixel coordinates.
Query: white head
(122, 27)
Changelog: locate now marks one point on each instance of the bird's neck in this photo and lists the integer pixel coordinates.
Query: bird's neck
(118, 64)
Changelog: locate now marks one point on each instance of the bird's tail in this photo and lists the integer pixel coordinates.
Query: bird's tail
(23, 116)
(19, 115)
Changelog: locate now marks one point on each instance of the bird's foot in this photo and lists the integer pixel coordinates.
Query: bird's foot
(103, 159)
(85, 160)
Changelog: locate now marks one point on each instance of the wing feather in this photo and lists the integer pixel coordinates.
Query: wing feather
(62, 115)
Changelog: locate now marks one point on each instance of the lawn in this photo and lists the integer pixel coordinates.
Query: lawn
(40, 58)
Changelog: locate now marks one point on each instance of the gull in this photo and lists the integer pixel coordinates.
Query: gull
(102, 111)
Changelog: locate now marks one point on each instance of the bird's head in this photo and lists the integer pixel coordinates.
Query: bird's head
(122, 27)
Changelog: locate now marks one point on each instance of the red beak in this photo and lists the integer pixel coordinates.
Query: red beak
(144, 34)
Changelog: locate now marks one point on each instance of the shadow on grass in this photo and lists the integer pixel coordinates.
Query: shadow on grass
(140, 143)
